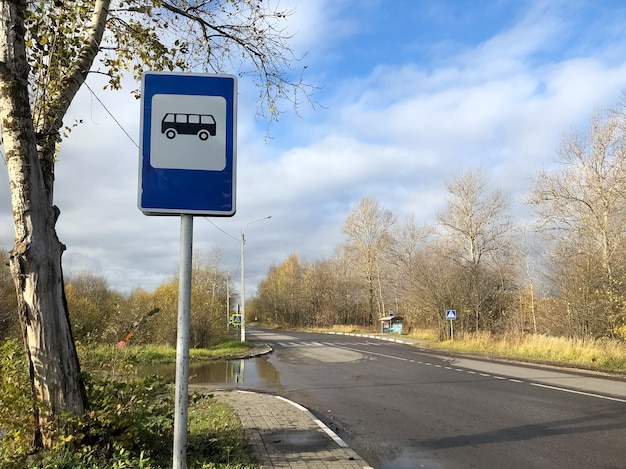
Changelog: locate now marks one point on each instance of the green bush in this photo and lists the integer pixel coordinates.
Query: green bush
(16, 403)
(129, 425)
(120, 430)
(125, 420)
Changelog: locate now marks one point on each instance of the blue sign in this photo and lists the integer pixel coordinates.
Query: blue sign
(236, 319)
(451, 314)
(188, 144)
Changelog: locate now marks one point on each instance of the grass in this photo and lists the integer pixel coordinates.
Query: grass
(215, 435)
(343, 328)
(153, 354)
(592, 354)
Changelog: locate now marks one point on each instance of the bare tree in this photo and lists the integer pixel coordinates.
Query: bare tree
(581, 206)
(477, 226)
(410, 240)
(476, 219)
(47, 49)
(436, 285)
(368, 229)
(586, 195)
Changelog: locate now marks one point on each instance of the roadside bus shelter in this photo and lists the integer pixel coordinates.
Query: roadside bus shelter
(391, 324)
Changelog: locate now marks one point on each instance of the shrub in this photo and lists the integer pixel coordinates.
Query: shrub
(16, 403)
(126, 418)
(120, 430)
(129, 425)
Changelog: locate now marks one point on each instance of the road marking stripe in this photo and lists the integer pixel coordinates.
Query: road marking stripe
(599, 396)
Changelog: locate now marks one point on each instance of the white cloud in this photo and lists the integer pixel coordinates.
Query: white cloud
(396, 133)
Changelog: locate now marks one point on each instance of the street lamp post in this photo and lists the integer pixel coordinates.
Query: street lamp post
(243, 279)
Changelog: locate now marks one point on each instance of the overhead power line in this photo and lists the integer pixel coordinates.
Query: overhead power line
(111, 114)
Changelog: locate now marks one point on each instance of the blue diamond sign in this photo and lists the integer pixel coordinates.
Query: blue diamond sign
(188, 144)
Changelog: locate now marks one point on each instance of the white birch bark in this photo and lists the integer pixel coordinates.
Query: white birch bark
(35, 259)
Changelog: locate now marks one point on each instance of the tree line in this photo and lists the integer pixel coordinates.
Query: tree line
(101, 315)
(560, 273)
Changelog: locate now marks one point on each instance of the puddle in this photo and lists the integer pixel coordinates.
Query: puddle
(394, 457)
(254, 372)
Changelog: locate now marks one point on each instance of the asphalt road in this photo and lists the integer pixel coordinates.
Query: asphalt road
(402, 407)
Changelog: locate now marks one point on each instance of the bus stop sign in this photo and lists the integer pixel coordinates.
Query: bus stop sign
(188, 144)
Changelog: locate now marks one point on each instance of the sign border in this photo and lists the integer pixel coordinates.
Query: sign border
(182, 191)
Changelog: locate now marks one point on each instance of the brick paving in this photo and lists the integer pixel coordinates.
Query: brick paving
(285, 435)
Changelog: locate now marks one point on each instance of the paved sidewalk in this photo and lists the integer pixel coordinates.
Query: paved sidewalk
(284, 434)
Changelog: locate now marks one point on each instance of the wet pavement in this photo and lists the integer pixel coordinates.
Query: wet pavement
(283, 434)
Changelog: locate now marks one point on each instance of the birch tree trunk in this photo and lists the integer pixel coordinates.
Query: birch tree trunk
(35, 259)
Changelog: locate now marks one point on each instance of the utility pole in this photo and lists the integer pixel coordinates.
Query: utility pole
(243, 279)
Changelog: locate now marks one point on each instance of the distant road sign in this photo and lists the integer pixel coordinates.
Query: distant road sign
(236, 319)
(188, 144)
(451, 314)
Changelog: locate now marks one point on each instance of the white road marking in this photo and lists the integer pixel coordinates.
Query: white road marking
(599, 396)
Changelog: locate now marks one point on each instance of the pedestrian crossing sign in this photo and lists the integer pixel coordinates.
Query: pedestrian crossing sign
(451, 314)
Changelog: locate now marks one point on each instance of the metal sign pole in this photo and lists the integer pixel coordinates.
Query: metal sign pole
(243, 289)
(451, 331)
(182, 344)
(228, 302)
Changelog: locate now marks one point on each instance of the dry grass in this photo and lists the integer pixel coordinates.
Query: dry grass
(594, 354)
(429, 335)
(605, 355)
(344, 328)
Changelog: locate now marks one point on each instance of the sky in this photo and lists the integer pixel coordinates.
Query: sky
(409, 94)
